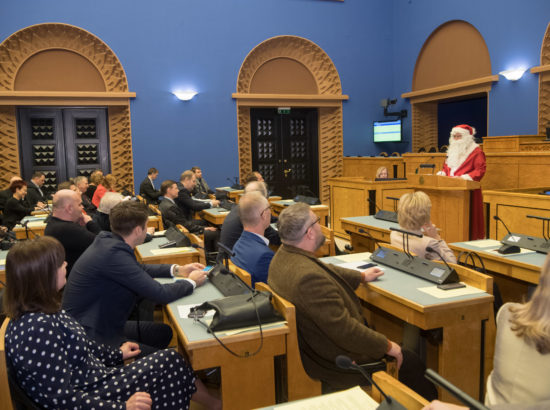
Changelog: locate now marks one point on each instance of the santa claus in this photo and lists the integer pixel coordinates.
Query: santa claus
(466, 160)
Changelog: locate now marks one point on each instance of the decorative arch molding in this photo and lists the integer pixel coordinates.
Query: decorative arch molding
(436, 79)
(28, 42)
(544, 83)
(328, 100)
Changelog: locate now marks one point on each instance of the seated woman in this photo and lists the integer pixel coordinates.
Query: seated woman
(58, 366)
(413, 214)
(108, 184)
(382, 173)
(108, 202)
(16, 207)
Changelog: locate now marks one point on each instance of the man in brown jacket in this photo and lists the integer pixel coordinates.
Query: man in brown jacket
(328, 312)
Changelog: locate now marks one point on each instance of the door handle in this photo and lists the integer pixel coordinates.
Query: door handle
(287, 171)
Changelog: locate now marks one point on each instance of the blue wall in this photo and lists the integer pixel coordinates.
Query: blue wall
(201, 44)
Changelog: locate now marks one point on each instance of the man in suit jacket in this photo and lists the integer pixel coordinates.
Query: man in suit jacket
(201, 190)
(184, 200)
(328, 312)
(147, 187)
(252, 252)
(34, 190)
(82, 185)
(107, 281)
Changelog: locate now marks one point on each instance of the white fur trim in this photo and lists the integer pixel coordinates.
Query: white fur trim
(467, 177)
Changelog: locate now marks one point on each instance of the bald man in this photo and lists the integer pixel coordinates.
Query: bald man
(70, 226)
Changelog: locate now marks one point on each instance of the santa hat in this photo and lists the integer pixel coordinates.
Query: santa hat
(463, 129)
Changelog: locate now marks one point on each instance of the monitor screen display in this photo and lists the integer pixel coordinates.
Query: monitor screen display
(387, 131)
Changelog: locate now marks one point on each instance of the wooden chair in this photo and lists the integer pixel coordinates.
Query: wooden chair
(299, 384)
(141, 199)
(155, 209)
(394, 388)
(241, 273)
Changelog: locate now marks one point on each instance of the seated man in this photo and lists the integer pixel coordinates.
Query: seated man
(6, 194)
(34, 189)
(252, 252)
(232, 227)
(82, 185)
(70, 226)
(173, 215)
(202, 190)
(147, 187)
(107, 281)
(187, 204)
(328, 313)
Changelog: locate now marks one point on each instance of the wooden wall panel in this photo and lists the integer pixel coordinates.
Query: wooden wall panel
(121, 146)
(424, 126)
(331, 148)
(9, 147)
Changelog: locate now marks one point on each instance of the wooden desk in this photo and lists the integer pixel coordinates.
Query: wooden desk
(513, 273)
(36, 227)
(155, 221)
(371, 227)
(367, 166)
(150, 253)
(246, 382)
(215, 216)
(232, 194)
(398, 295)
(320, 210)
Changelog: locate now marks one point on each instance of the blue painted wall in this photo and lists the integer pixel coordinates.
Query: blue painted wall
(201, 44)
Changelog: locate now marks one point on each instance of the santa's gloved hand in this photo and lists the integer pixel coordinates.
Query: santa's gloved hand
(466, 177)
(441, 173)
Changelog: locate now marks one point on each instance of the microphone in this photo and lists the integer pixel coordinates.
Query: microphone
(361, 230)
(506, 249)
(455, 391)
(226, 253)
(344, 362)
(28, 229)
(406, 240)
(430, 249)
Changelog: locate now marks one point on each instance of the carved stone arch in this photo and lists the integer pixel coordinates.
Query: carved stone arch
(437, 77)
(327, 97)
(43, 38)
(544, 83)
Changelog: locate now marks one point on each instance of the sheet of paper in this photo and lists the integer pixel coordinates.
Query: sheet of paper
(487, 243)
(350, 399)
(445, 294)
(354, 257)
(159, 233)
(169, 251)
(522, 250)
(355, 264)
(2, 262)
(250, 328)
(224, 188)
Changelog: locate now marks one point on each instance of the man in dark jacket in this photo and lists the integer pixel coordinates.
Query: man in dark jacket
(147, 187)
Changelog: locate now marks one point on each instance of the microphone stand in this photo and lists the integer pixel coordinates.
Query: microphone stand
(506, 249)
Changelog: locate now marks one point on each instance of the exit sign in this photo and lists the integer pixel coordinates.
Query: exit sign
(283, 110)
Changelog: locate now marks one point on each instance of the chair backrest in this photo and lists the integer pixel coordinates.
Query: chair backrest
(155, 209)
(329, 248)
(5, 402)
(241, 273)
(299, 384)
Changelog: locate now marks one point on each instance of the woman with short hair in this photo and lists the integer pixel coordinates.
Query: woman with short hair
(108, 184)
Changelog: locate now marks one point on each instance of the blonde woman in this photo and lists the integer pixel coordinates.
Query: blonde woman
(413, 214)
(521, 364)
(382, 173)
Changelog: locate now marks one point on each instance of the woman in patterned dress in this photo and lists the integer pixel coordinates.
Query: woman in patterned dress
(58, 366)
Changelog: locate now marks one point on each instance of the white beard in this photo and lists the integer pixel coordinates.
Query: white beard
(458, 151)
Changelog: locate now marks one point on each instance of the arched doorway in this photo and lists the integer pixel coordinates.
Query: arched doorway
(544, 84)
(290, 71)
(438, 78)
(60, 65)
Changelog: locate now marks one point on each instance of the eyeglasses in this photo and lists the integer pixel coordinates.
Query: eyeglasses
(313, 223)
(266, 209)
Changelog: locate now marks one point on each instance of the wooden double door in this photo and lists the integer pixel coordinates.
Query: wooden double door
(285, 150)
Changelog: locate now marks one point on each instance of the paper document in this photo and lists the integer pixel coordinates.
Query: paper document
(159, 233)
(354, 257)
(170, 251)
(351, 399)
(487, 243)
(355, 265)
(2, 262)
(452, 293)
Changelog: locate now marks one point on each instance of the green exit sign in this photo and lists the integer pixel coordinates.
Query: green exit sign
(283, 110)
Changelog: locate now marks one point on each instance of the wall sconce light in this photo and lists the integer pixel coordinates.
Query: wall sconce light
(513, 75)
(185, 95)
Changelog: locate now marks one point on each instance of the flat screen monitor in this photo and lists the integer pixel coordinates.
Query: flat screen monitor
(387, 131)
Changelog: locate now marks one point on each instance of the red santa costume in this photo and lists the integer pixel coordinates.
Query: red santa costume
(466, 160)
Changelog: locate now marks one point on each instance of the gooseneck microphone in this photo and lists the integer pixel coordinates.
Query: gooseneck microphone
(430, 249)
(370, 201)
(28, 229)
(361, 230)
(506, 249)
(455, 391)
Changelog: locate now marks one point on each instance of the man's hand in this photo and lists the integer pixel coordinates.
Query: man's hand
(150, 230)
(185, 270)
(139, 401)
(129, 350)
(210, 228)
(439, 405)
(371, 274)
(40, 205)
(84, 219)
(215, 203)
(199, 276)
(395, 351)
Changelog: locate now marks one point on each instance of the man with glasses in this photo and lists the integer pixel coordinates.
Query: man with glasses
(252, 252)
(328, 313)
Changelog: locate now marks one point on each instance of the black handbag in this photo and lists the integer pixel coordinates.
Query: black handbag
(233, 312)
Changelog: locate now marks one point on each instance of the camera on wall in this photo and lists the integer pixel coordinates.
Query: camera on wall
(386, 102)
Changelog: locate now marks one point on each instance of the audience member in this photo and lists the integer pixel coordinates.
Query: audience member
(147, 187)
(6, 194)
(184, 200)
(253, 176)
(413, 214)
(328, 312)
(232, 227)
(70, 226)
(173, 215)
(201, 190)
(107, 281)
(35, 194)
(58, 366)
(95, 179)
(68, 185)
(82, 185)
(108, 202)
(17, 207)
(252, 252)
(108, 184)
(382, 173)
(466, 160)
